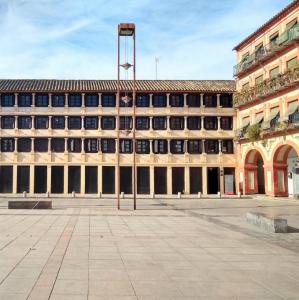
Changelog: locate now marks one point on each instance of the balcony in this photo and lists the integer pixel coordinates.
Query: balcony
(263, 53)
(267, 87)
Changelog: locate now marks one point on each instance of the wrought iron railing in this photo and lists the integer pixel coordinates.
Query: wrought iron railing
(267, 87)
(283, 40)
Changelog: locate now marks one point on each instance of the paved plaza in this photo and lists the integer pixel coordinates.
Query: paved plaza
(167, 249)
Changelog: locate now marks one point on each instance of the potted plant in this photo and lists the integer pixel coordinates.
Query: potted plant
(253, 132)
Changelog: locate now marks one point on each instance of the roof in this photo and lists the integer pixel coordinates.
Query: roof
(52, 85)
(284, 12)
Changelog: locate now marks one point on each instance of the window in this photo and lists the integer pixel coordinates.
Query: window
(91, 145)
(41, 122)
(24, 145)
(274, 39)
(7, 122)
(142, 147)
(259, 79)
(58, 122)
(7, 145)
(293, 111)
(91, 122)
(291, 24)
(194, 123)
(227, 146)
(108, 100)
(245, 86)
(212, 146)
(292, 63)
(275, 114)
(210, 100)
(177, 123)
(40, 145)
(160, 146)
(74, 122)
(125, 101)
(57, 145)
(42, 100)
(211, 123)
(177, 146)
(25, 100)
(74, 145)
(91, 100)
(142, 123)
(259, 50)
(226, 123)
(274, 72)
(226, 100)
(159, 100)
(58, 100)
(125, 146)
(159, 123)
(194, 146)
(108, 123)
(74, 100)
(108, 145)
(24, 122)
(176, 101)
(7, 100)
(142, 100)
(125, 123)
(193, 100)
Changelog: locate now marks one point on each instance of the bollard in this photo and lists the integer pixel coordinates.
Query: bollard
(48, 194)
(199, 194)
(219, 195)
(239, 195)
(153, 195)
(179, 195)
(73, 194)
(24, 194)
(122, 195)
(100, 195)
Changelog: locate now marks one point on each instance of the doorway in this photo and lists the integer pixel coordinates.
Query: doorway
(213, 180)
(160, 174)
(178, 180)
(108, 180)
(40, 179)
(57, 179)
(74, 177)
(126, 180)
(143, 180)
(195, 180)
(91, 180)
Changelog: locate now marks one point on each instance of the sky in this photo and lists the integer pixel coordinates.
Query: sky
(76, 39)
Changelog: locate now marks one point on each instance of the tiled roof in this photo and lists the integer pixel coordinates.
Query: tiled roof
(284, 12)
(40, 85)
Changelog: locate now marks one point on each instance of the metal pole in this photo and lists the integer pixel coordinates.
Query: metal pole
(134, 118)
(118, 122)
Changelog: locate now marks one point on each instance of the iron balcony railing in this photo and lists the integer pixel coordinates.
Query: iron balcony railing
(267, 87)
(282, 41)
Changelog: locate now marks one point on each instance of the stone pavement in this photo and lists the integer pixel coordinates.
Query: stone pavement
(167, 249)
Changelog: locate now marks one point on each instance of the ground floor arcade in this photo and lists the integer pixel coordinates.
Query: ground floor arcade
(101, 179)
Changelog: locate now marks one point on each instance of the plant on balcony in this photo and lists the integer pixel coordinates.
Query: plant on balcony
(283, 125)
(253, 132)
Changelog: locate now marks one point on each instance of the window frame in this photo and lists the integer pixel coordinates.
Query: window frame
(159, 100)
(142, 146)
(126, 146)
(159, 119)
(57, 145)
(108, 145)
(177, 123)
(38, 119)
(23, 120)
(174, 144)
(26, 147)
(25, 100)
(58, 100)
(41, 100)
(8, 102)
(142, 100)
(91, 123)
(75, 119)
(7, 145)
(142, 123)
(60, 118)
(91, 100)
(108, 119)
(108, 100)
(3, 122)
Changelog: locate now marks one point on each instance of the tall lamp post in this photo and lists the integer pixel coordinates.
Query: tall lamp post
(126, 32)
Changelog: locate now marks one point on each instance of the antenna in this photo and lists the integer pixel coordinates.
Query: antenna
(157, 60)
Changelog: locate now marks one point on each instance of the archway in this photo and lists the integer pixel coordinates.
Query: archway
(286, 171)
(254, 173)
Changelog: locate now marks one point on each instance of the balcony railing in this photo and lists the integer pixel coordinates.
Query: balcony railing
(267, 87)
(282, 41)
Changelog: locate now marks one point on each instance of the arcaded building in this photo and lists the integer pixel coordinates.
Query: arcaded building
(267, 101)
(60, 136)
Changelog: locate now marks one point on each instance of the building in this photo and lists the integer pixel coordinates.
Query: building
(59, 136)
(267, 80)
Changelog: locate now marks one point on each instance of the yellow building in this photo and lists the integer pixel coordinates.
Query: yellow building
(60, 136)
(267, 98)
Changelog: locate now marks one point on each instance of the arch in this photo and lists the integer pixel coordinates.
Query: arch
(285, 159)
(254, 178)
(249, 154)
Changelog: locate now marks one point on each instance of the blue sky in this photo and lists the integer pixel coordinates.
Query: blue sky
(76, 39)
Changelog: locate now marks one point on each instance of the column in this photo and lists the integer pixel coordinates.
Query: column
(16, 99)
(82, 188)
(100, 99)
(49, 145)
(203, 146)
(31, 177)
(150, 123)
(169, 181)
(33, 100)
(14, 178)
(83, 99)
(82, 122)
(50, 99)
(66, 100)
(49, 179)
(32, 145)
(65, 179)
(202, 100)
(151, 100)
(151, 146)
(187, 180)
(168, 123)
(219, 123)
(185, 99)
(218, 100)
(167, 99)
(50, 122)
(65, 146)
(82, 145)
(185, 148)
(185, 123)
(202, 123)
(100, 175)
(152, 180)
(66, 123)
(220, 146)
(32, 122)
(204, 181)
